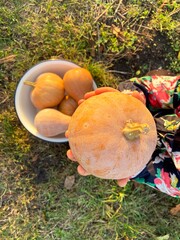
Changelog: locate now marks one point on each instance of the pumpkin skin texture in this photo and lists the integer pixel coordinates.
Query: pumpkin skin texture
(50, 122)
(48, 90)
(97, 135)
(77, 82)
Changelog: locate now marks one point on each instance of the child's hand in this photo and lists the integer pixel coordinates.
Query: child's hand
(80, 169)
(97, 92)
(83, 172)
(136, 94)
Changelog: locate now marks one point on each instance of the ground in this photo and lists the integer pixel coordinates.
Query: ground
(115, 40)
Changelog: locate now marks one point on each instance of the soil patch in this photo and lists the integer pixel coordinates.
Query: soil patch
(153, 56)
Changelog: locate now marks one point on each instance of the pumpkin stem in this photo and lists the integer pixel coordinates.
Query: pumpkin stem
(29, 83)
(133, 130)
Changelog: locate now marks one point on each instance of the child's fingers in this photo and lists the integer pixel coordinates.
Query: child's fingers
(105, 89)
(136, 94)
(82, 171)
(86, 96)
(140, 97)
(89, 94)
(70, 155)
(122, 182)
(81, 101)
(97, 92)
(66, 134)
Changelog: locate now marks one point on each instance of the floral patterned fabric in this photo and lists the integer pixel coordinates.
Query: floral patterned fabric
(163, 92)
(162, 95)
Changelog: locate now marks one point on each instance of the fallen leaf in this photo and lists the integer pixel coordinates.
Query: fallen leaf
(35, 158)
(175, 210)
(117, 32)
(9, 58)
(69, 182)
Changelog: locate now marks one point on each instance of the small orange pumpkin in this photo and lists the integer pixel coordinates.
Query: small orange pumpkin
(48, 90)
(50, 122)
(77, 82)
(68, 105)
(112, 135)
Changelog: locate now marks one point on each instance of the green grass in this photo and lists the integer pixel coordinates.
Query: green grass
(115, 42)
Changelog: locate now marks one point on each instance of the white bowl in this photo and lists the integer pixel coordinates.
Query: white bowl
(24, 108)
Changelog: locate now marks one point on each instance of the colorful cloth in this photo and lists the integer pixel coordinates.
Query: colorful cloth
(163, 92)
(162, 95)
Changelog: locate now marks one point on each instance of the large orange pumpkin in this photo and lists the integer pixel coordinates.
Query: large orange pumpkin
(112, 135)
